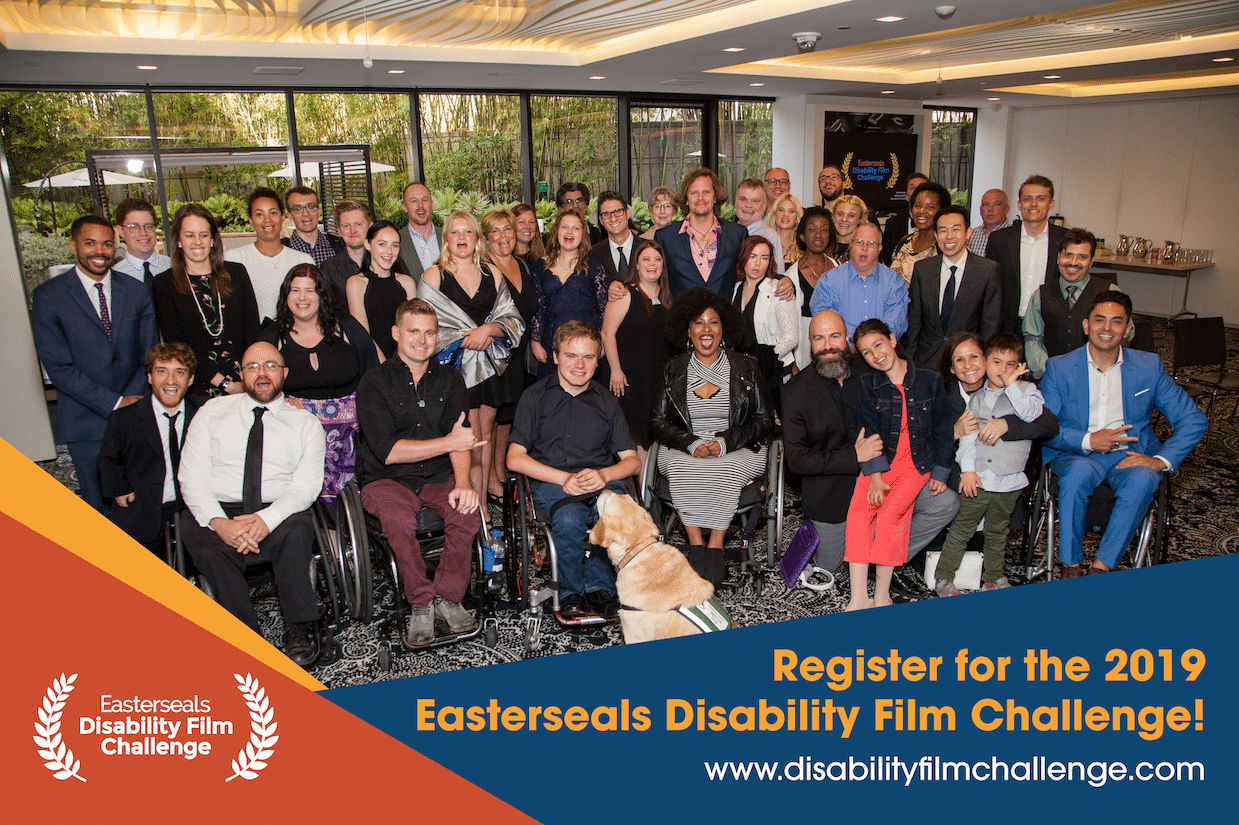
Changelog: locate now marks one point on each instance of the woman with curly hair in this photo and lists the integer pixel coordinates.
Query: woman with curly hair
(712, 415)
(928, 199)
(326, 355)
(571, 286)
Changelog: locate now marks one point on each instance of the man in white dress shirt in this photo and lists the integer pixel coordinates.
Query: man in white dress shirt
(615, 252)
(419, 241)
(249, 479)
(135, 222)
(267, 260)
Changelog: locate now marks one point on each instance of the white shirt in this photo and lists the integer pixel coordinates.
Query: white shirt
(92, 292)
(213, 458)
(1033, 252)
(169, 489)
(1027, 404)
(626, 246)
(267, 274)
(946, 274)
(1105, 398)
(427, 249)
(133, 265)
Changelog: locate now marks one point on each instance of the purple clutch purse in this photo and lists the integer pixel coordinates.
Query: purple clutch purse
(799, 551)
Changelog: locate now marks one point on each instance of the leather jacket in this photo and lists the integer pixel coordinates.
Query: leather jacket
(751, 418)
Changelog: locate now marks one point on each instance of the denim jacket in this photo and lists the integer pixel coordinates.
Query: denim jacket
(930, 433)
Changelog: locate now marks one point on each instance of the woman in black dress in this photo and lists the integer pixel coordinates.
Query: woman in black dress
(207, 303)
(381, 286)
(499, 229)
(478, 326)
(528, 236)
(634, 341)
(326, 357)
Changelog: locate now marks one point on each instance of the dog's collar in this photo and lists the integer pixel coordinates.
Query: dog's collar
(632, 554)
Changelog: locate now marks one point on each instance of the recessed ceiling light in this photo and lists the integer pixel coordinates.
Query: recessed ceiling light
(844, 28)
(888, 91)
(890, 18)
(1223, 59)
(597, 77)
(148, 68)
(395, 71)
(757, 84)
(1052, 76)
(993, 98)
(734, 49)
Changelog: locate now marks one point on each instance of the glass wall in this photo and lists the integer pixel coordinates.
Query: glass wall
(745, 137)
(951, 151)
(665, 144)
(471, 150)
(574, 139)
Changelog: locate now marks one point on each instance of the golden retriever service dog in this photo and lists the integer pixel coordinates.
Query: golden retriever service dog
(653, 579)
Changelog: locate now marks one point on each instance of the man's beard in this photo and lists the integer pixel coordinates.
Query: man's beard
(832, 363)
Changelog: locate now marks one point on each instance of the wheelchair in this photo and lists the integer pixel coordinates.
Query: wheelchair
(761, 497)
(1149, 542)
(362, 548)
(324, 572)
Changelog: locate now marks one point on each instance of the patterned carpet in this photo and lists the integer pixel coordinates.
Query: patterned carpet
(1204, 522)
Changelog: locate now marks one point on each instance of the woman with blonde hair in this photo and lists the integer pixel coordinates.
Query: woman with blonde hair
(528, 238)
(784, 217)
(478, 327)
(847, 214)
(662, 209)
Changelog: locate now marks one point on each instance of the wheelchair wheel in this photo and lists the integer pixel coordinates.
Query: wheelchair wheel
(525, 559)
(324, 584)
(355, 551)
(332, 559)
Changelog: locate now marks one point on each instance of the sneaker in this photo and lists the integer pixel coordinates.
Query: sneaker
(945, 587)
(998, 585)
(301, 643)
(607, 604)
(458, 619)
(421, 626)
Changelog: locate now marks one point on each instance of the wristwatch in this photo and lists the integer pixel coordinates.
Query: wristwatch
(223, 385)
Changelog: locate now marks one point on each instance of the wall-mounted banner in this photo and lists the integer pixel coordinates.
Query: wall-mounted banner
(876, 152)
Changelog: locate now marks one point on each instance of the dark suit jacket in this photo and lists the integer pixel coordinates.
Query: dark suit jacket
(682, 272)
(897, 226)
(132, 462)
(336, 271)
(819, 447)
(179, 321)
(408, 254)
(602, 251)
(1004, 249)
(978, 306)
(91, 373)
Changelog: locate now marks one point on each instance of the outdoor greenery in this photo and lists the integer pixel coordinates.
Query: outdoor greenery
(38, 253)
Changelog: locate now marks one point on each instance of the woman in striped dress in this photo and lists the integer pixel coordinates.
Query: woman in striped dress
(712, 414)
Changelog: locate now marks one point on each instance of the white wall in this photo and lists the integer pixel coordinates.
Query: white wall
(1158, 169)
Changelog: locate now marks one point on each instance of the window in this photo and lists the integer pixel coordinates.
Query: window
(952, 150)
(574, 139)
(665, 144)
(471, 146)
(745, 137)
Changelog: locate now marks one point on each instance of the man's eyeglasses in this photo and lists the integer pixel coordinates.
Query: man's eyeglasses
(140, 227)
(614, 213)
(266, 366)
(574, 201)
(866, 244)
(303, 207)
(781, 181)
(825, 178)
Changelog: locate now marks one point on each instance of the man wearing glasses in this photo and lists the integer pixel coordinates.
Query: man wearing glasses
(863, 288)
(830, 184)
(615, 253)
(135, 221)
(321, 246)
(251, 467)
(575, 196)
(777, 182)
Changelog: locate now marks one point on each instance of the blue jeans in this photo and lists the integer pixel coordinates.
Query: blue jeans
(1078, 477)
(578, 575)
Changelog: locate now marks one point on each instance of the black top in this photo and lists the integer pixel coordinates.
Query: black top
(336, 271)
(390, 408)
(341, 364)
(820, 445)
(570, 432)
(383, 296)
(748, 315)
(477, 306)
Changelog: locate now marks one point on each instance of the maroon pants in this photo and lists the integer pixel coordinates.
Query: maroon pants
(397, 507)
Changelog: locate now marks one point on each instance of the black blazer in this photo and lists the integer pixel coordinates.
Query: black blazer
(978, 306)
(682, 272)
(179, 321)
(602, 251)
(1004, 249)
(819, 446)
(131, 461)
(750, 419)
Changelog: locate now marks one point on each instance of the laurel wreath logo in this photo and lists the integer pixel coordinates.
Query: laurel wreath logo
(47, 731)
(894, 178)
(847, 164)
(253, 757)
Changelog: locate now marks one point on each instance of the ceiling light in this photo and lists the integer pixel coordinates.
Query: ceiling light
(888, 92)
(993, 98)
(1052, 76)
(890, 18)
(395, 71)
(1223, 59)
(734, 49)
(757, 84)
(148, 68)
(844, 28)
(597, 77)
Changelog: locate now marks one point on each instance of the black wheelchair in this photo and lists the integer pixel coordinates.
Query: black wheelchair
(1149, 543)
(362, 548)
(761, 498)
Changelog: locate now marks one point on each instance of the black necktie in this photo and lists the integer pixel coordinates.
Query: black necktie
(174, 452)
(1071, 296)
(146, 277)
(623, 265)
(948, 298)
(251, 482)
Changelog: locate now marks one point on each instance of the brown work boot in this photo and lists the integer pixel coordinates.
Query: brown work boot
(1070, 571)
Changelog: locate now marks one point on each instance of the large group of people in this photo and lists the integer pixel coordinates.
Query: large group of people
(425, 362)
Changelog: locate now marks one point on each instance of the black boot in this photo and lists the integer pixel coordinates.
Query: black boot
(716, 566)
(696, 554)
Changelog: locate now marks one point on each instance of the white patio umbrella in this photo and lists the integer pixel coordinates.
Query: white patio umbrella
(309, 169)
(78, 177)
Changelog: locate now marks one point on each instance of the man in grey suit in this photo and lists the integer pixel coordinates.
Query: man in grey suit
(92, 332)
(952, 292)
(1026, 252)
(419, 241)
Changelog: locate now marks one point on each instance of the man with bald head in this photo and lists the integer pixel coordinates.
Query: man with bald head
(419, 242)
(777, 182)
(251, 467)
(994, 211)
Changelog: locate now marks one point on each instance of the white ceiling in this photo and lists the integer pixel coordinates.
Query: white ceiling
(650, 46)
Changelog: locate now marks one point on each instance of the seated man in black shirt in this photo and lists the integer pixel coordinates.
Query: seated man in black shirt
(571, 439)
(415, 452)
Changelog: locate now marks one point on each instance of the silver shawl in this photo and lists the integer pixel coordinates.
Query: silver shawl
(476, 366)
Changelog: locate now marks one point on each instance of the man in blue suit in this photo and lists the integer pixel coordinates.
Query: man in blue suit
(1104, 396)
(702, 249)
(92, 330)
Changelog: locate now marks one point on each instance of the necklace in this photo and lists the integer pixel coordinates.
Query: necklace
(219, 326)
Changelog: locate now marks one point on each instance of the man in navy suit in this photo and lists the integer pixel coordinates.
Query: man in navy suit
(141, 451)
(701, 250)
(92, 332)
(1104, 396)
(1026, 252)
